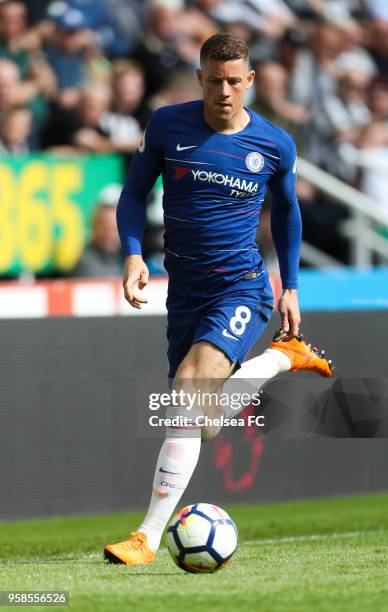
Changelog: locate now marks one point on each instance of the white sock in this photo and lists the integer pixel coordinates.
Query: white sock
(267, 365)
(179, 456)
(255, 372)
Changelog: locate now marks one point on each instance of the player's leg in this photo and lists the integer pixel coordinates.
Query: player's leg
(178, 456)
(234, 324)
(176, 461)
(252, 375)
(205, 370)
(283, 355)
(199, 373)
(211, 359)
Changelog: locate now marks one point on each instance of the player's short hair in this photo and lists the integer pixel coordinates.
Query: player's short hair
(224, 47)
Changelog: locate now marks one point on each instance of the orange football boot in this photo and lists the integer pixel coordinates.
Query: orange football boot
(134, 551)
(302, 356)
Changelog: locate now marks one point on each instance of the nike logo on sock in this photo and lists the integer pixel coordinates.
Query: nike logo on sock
(167, 472)
(179, 148)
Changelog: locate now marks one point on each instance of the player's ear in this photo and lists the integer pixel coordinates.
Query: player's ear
(250, 78)
(199, 76)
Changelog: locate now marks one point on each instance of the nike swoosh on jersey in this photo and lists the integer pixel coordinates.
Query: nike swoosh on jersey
(179, 148)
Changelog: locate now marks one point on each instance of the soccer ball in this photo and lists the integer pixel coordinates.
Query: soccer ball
(201, 538)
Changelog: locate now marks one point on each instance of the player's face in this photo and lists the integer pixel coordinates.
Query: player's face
(224, 85)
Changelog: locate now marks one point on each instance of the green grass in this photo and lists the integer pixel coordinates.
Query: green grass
(320, 555)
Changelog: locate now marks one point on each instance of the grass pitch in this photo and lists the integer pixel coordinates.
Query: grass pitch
(321, 555)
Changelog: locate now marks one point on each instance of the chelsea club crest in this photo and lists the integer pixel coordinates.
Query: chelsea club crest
(254, 161)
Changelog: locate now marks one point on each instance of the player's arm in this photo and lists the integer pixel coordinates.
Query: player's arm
(286, 226)
(145, 167)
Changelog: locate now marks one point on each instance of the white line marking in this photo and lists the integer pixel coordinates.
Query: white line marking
(310, 538)
(163, 551)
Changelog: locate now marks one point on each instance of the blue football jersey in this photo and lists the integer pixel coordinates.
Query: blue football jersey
(214, 187)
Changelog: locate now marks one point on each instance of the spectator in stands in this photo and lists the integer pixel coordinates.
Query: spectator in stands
(242, 30)
(129, 91)
(15, 40)
(15, 93)
(15, 129)
(271, 98)
(180, 87)
(370, 150)
(373, 159)
(315, 72)
(159, 50)
(378, 44)
(12, 91)
(23, 47)
(79, 129)
(112, 34)
(336, 11)
(321, 219)
(128, 16)
(102, 257)
(314, 82)
(346, 112)
(270, 18)
(90, 127)
(194, 28)
(65, 52)
(378, 101)
(354, 56)
(289, 47)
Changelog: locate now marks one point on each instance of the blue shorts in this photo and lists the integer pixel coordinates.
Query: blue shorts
(233, 321)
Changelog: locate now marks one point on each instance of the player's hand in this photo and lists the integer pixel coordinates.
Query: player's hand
(289, 312)
(135, 278)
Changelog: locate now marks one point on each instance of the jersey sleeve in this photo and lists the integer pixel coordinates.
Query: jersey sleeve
(286, 222)
(146, 165)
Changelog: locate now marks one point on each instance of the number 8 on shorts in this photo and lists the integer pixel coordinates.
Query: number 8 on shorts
(239, 322)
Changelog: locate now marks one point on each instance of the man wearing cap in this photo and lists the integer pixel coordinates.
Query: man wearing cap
(65, 54)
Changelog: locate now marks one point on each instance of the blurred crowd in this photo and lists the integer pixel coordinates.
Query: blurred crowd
(81, 76)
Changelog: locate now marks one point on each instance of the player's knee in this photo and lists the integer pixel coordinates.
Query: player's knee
(185, 384)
